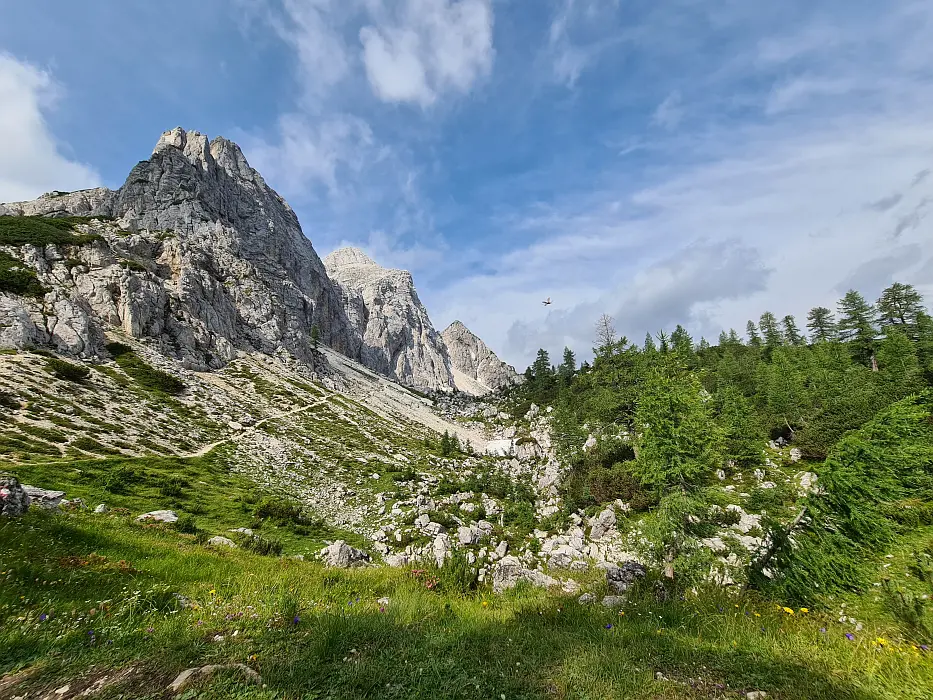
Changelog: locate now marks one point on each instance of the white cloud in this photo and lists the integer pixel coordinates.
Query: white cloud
(670, 112)
(428, 47)
(31, 162)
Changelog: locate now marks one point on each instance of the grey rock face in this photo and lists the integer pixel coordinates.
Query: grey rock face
(383, 307)
(509, 571)
(621, 578)
(342, 555)
(14, 501)
(470, 357)
(219, 264)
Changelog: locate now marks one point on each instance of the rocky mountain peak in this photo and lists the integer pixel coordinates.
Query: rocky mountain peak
(383, 305)
(473, 362)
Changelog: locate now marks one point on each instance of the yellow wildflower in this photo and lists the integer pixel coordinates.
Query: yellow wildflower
(485, 604)
(804, 610)
(789, 611)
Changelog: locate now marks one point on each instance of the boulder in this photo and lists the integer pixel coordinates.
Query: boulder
(343, 556)
(586, 599)
(219, 541)
(101, 508)
(14, 500)
(193, 675)
(602, 524)
(509, 571)
(622, 578)
(44, 498)
(613, 601)
(159, 516)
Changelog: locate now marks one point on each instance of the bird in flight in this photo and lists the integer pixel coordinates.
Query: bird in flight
(547, 302)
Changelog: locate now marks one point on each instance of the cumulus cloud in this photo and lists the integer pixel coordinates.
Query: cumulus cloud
(31, 161)
(428, 47)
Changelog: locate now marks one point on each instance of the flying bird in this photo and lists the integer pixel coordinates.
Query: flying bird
(547, 302)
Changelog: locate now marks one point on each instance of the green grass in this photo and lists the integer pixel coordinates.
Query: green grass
(316, 633)
(38, 230)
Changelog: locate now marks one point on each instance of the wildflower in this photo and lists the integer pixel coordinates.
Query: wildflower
(850, 636)
(757, 614)
(43, 617)
(789, 611)
(485, 603)
(213, 592)
(609, 626)
(881, 641)
(823, 630)
(150, 630)
(621, 612)
(296, 620)
(924, 647)
(804, 610)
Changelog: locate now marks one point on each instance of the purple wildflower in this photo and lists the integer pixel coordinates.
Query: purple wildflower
(43, 617)
(823, 630)
(296, 620)
(609, 626)
(925, 647)
(850, 636)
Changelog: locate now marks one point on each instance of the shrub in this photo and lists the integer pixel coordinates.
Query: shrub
(120, 479)
(262, 545)
(18, 278)
(281, 511)
(145, 375)
(173, 487)
(67, 370)
(187, 524)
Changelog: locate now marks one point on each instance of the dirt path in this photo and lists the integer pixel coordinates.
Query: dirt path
(233, 438)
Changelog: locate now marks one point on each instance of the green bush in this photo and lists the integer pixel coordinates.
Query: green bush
(18, 278)
(262, 545)
(281, 511)
(145, 375)
(38, 230)
(186, 523)
(67, 370)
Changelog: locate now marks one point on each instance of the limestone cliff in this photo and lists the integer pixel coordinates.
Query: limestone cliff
(383, 306)
(474, 362)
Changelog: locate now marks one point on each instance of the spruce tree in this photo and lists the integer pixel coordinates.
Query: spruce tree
(770, 330)
(681, 342)
(898, 364)
(723, 339)
(315, 336)
(821, 324)
(704, 345)
(899, 305)
(734, 338)
(567, 368)
(743, 437)
(663, 342)
(649, 343)
(857, 320)
(792, 334)
(751, 331)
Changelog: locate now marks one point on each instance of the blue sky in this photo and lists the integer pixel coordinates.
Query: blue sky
(678, 162)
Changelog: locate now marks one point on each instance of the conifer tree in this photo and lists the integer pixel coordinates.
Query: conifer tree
(681, 342)
(663, 342)
(567, 368)
(857, 325)
(734, 338)
(770, 330)
(677, 444)
(751, 331)
(792, 334)
(743, 438)
(821, 324)
(649, 343)
(898, 364)
(723, 339)
(704, 345)
(899, 305)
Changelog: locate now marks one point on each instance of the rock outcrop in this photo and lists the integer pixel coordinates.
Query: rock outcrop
(202, 258)
(399, 340)
(473, 362)
(14, 500)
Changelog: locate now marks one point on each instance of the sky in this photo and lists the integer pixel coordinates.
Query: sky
(690, 161)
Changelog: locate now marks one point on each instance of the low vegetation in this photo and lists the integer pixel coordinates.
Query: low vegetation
(17, 277)
(39, 230)
(144, 374)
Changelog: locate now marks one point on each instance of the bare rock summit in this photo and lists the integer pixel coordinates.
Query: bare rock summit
(474, 363)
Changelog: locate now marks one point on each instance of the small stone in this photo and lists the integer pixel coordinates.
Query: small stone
(219, 541)
(101, 508)
(613, 601)
(756, 695)
(586, 599)
(160, 516)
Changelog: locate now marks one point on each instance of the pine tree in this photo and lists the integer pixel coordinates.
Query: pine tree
(446, 445)
(769, 328)
(704, 345)
(734, 338)
(821, 324)
(899, 305)
(723, 339)
(649, 343)
(857, 325)
(541, 367)
(742, 433)
(792, 334)
(898, 364)
(663, 342)
(315, 336)
(567, 368)
(677, 442)
(752, 332)
(681, 342)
